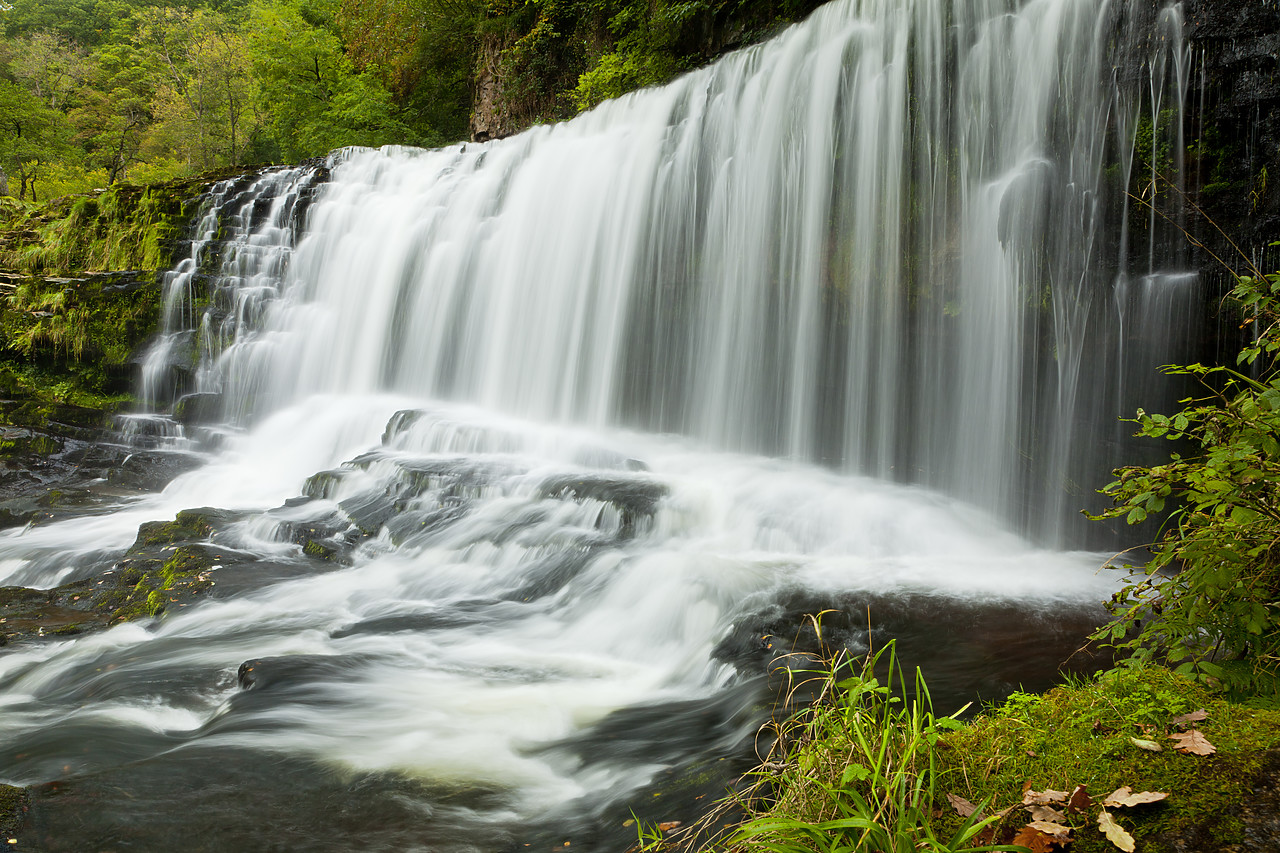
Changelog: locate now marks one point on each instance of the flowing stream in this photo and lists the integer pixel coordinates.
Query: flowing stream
(579, 424)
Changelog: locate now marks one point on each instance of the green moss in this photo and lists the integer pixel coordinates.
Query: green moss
(316, 549)
(187, 526)
(13, 807)
(1081, 734)
(123, 227)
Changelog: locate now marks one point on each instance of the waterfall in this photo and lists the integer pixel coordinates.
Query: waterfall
(528, 456)
(886, 241)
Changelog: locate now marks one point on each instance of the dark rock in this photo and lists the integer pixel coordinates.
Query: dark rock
(201, 408)
(635, 498)
(152, 470)
(1238, 43)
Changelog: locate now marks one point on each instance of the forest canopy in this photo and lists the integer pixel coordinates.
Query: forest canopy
(93, 92)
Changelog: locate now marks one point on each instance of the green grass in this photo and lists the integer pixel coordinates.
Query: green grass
(865, 769)
(854, 770)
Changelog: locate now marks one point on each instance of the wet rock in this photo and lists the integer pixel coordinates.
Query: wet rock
(303, 673)
(188, 526)
(369, 511)
(152, 470)
(169, 566)
(322, 486)
(636, 499)
(201, 408)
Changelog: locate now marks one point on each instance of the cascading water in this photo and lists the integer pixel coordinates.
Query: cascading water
(525, 446)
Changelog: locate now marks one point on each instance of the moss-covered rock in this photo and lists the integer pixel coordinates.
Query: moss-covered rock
(14, 803)
(1083, 734)
(169, 565)
(80, 287)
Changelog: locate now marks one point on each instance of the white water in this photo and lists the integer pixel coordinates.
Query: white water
(666, 370)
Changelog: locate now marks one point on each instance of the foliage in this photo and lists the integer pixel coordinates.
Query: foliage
(99, 92)
(855, 770)
(1206, 601)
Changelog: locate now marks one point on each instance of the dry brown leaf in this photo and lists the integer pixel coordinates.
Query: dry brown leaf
(1079, 801)
(1193, 717)
(1042, 798)
(963, 807)
(1115, 832)
(1034, 840)
(1126, 797)
(1148, 745)
(1192, 743)
(1046, 813)
(1059, 833)
(666, 826)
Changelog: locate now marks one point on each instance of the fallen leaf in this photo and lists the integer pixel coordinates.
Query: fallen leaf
(1192, 743)
(1046, 813)
(1114, 832)
(1126, 797)
(963, 807)
(668, 825)
(1059, 833)
(1042, 798)
(1034, 840)
(1193, 717)
(1149, 745)
(1079, 801)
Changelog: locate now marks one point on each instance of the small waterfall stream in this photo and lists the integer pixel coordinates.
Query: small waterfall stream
(530, 454)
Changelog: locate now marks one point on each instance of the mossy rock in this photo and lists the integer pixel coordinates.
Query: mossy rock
(189, 525)
(168, 566)
(14, 803)
(1083, 734)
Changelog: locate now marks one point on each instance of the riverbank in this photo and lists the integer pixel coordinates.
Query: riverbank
(1132, 758)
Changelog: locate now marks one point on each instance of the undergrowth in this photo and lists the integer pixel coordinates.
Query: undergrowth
(856, 769)
(868, 767)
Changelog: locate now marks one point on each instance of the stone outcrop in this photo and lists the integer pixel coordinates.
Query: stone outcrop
(1234, 109)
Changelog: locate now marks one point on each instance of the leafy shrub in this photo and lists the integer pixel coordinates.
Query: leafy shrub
(1208, 600)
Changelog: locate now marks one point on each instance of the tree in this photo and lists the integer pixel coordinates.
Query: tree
(313, 98)
(32, 137)
(202, 105)
(51, 65)
(114, 110)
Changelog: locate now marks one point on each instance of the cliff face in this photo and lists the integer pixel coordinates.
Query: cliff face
(541, 62)
(1234, 109)
(490, 115)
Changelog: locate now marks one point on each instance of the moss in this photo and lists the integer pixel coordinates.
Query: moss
(188, 525)
(317, 549)
(1081, 734)
(123, 227)
(13, 808)
(69, 326)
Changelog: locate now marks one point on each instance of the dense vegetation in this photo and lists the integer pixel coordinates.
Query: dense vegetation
(95, 92)
(1208, 600)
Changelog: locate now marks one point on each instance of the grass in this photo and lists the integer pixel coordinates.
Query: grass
(856, 769)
